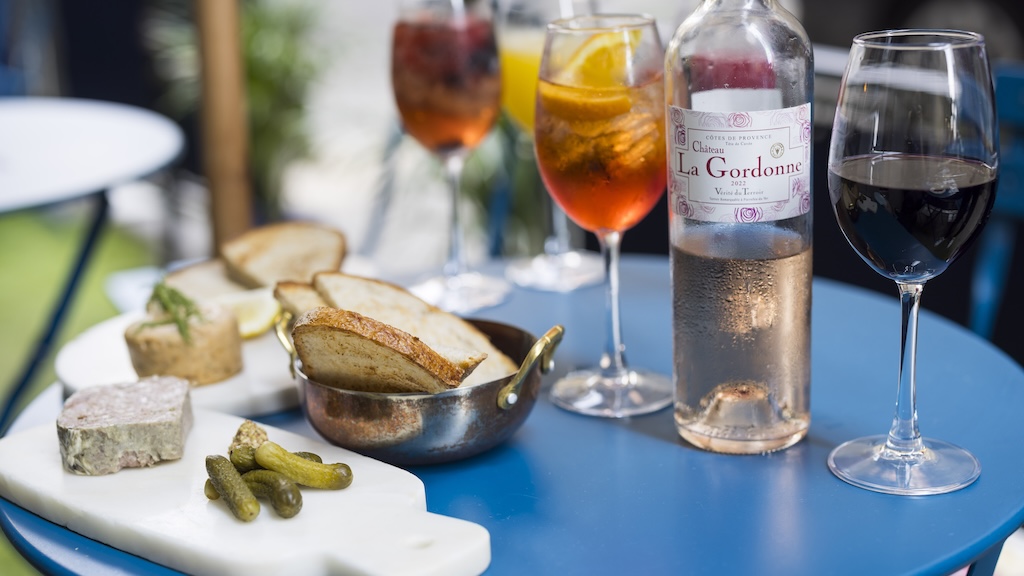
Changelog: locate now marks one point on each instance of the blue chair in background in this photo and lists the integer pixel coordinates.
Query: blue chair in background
(29, 62)
(12, 77)
(996, 245)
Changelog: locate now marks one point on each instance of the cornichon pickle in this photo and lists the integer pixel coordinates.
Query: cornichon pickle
(283, 494)
(229, 484)
(210, 491)
(272, 456)
(309, 456)
(244, 459)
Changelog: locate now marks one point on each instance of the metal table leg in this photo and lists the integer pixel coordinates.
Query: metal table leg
(57, 316)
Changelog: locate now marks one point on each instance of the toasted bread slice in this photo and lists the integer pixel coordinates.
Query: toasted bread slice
(203, 281)
(344, 349)
(396, 306)
(298, 297)
(295, 251)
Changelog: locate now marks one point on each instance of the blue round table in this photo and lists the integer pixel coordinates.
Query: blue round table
(571, 494)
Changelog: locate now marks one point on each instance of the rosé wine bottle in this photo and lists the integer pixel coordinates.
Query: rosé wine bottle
(738, 88)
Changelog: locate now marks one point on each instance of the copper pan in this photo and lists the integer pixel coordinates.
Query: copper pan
(411, 429)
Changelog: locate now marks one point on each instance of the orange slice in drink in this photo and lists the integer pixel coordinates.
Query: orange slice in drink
(591, 86)
(603, 61)
(584, 104)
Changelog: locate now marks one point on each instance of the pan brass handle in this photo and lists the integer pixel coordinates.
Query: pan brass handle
(284, 319)
(543, 351)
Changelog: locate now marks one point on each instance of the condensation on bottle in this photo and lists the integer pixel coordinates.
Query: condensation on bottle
(738, 87)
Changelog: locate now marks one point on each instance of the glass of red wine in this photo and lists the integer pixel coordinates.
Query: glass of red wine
(912, 176)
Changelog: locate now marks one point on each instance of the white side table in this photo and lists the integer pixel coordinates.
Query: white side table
(55, 150)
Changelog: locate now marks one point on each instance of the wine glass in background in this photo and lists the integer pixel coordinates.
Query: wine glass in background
(911, 174)
(600, 143)
(520, 27)
(445, 78)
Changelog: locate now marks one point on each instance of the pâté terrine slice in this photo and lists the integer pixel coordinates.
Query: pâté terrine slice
(103, 429)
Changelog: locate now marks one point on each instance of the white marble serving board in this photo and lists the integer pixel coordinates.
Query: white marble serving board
(378, 525)
(100, 356)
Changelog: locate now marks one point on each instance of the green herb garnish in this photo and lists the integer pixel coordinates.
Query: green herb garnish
(177, 305)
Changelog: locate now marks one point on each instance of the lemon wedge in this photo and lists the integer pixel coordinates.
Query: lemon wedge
(601, 61)
(583, 104)
(256, 310)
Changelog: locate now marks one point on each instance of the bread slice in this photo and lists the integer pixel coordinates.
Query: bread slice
(204, 280)
(294, 251)
(396, 306)
(297, 297)
(344, 349)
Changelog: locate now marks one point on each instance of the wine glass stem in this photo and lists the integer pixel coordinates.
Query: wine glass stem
(904, 437)
(558, 242)
(456, 263)
(613, 361)
(560, 225)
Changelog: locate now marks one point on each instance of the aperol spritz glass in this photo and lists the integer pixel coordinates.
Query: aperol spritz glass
(600, 144)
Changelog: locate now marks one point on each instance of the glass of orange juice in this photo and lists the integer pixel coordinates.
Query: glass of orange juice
(600, 145)
(520, 27)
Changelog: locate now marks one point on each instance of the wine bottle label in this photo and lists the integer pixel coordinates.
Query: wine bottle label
(740, 166)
